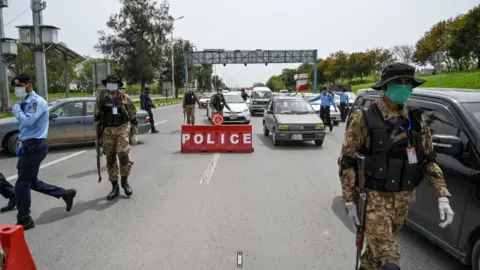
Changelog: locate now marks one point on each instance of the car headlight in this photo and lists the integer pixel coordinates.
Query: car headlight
(246, 110)
(320, 126)
(283, 127)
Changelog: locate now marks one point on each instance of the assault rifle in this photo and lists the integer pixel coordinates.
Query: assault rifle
(361, 207)
(98, 145)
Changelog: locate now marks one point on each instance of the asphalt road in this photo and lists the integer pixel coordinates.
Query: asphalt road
(280, 206)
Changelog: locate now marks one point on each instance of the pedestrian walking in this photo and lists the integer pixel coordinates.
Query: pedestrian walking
(32, 116)
(189, 100)
(326, 100)
(7, 190)
(396, 145)
(343, 104)
(116, 121)
(147, 105)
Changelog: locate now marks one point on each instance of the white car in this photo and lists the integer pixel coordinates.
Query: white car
(240, 113)
(334, 115)
(205, 99)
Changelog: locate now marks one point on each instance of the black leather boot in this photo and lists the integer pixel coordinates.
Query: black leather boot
(115, 191)
(126, 187)
(10, 205)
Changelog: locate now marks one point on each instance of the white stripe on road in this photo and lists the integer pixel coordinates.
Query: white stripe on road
(161, 122)
(207, 175)
(168, 106)
(13, 177)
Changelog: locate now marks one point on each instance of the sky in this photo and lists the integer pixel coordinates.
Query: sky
(325, 25)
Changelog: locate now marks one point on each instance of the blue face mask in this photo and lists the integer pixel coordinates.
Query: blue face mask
(399, 93)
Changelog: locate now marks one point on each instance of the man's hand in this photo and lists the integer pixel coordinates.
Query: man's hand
(446, 212)
(352, 213)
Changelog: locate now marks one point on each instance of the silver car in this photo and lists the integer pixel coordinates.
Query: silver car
(292, 119)
(71, 121)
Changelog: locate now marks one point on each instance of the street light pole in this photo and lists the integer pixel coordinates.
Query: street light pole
(173, 58)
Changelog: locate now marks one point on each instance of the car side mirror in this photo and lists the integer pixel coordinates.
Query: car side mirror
(269, 112)
(53, 116)
(447, 144)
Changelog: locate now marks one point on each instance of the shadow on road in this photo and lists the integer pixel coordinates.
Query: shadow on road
(86, 173)
(59, 213)
(267, 141)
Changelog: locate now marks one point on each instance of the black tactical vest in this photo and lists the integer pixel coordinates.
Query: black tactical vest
(386, 165)
(189, 98)
(218, 102)
(107, 106)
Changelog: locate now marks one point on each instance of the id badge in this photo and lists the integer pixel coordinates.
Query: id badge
(114, 110)
(412, 155)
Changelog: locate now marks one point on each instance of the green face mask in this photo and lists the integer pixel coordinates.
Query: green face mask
(399, 93)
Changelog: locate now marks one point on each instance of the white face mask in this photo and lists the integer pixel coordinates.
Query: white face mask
(112, 86)
(20, 91)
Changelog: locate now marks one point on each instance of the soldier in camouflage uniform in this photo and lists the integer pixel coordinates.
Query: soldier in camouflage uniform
(398, 148)
(116, 115)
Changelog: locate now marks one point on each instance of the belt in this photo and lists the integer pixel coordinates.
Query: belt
(33, 141)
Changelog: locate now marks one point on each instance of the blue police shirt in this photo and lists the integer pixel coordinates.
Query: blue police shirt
(325, 100)
(343, 98)
(32, 118)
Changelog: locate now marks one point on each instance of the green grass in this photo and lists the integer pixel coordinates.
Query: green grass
(5, 115)
(466, 80)
(159, 102)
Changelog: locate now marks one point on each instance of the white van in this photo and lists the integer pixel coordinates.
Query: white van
(260, 97)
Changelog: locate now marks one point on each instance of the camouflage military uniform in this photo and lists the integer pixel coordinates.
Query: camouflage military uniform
(3, 257)
(116, 139)
(386, 211)
(398, 155)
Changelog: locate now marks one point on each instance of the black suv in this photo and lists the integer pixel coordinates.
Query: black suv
(453, 116)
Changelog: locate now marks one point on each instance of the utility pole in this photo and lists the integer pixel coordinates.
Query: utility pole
(173, 56)
(39, 49)
(4, 93)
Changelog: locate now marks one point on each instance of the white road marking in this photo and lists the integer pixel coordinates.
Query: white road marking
(13, 177)
(161, 122)
(168, 106)
(334, 142)
(207, 175)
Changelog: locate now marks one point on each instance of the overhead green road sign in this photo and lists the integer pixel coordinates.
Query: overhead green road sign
(220, 56)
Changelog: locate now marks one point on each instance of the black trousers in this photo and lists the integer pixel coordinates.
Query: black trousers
(343, 111)
(152, 121)
(6, 189)
(325, 115)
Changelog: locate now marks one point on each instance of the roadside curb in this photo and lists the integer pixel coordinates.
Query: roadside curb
(168, 104)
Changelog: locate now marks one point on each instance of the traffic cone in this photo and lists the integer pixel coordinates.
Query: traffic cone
(15, 247)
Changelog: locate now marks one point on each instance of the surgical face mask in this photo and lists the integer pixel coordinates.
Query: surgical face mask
(399, 93)
(20, 91)
(112, 86)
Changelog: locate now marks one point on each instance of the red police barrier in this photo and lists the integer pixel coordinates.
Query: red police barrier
(223, 138)
(16, 248)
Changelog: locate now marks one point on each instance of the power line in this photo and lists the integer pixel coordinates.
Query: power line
(18, 16)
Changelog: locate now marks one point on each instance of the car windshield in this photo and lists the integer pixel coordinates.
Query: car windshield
(293, 107)
(262, 94)
(206, 95)
(234, 99)
(52, 104)
(473, 108)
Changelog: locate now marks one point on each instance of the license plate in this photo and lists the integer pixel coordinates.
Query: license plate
(233, 117)
(296, 137)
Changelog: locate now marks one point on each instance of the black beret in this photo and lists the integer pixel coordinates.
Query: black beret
(21, 78)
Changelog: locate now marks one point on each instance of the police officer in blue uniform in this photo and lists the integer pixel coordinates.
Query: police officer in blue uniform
(8, 192)
(343, 104)
(32, 115)
(326, 100)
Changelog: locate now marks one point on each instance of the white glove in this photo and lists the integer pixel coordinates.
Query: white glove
(134, 140)
(352, 212)
(446, 212)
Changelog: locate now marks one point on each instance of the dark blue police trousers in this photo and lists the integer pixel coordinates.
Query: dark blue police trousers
(6, 189)
(28, 166)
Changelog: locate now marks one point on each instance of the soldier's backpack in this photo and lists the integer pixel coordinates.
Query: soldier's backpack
(189, 98)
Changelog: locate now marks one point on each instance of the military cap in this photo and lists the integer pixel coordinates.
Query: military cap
(395, 71)
(21, 78)
(113, 78)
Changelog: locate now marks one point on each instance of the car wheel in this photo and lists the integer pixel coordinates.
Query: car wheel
(335, 123)
(266, 132)
(274, 139)
(12, 143)
(476, 255)
(318, 142)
